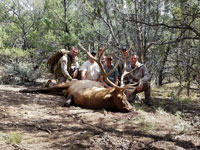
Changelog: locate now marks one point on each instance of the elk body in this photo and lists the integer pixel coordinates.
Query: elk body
(89, 94)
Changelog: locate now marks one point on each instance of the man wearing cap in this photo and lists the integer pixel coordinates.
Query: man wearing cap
(63, 70)
(124, 53)
(141, 75)
(114, 77)
(90, 69)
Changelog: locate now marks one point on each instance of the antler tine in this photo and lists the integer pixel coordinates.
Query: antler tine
(95, 59)
(105, 47)
(98, 61)
(118, 58)
(115, 67)
(116, 64)
(89, 48)
(130, 88)
(105, 75)
(100, 54)
(125, 73)
(88, 53)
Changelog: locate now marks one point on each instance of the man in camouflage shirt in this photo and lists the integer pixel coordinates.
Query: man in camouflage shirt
(141, 75)
(67, 66)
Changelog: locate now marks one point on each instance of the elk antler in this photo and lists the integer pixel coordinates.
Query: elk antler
(129, 87)
(98, 61)
(124, 71)
(106, 75)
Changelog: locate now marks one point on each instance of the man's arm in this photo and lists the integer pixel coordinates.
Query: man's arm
(64, 67)
(76, 63)
(116, 76)
(83, 74)
(102, 81)
(116, 80)
(75, 73)
(83, 71)
(146, 76)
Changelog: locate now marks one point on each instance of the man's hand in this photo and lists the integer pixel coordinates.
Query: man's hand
(69, 78)
(75, 73)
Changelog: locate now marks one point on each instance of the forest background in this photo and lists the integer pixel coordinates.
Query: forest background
(165, 34)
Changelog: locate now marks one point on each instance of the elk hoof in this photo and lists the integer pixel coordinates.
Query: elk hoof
(67, 103)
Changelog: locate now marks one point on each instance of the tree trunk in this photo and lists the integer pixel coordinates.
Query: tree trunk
(67, 44)
(161, 75)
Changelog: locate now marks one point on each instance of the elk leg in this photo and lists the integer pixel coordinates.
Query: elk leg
(68, 101)
(65, 93)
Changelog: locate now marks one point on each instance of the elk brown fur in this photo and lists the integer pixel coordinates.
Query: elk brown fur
(90, 94)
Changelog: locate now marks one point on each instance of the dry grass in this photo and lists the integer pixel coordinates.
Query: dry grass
(166, 123)
(171, 90)
(14, 137)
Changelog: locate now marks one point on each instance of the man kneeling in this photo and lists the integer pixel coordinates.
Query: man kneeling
(141, 75)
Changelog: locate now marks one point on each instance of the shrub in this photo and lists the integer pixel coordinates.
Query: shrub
(15, 137)
(175, 97)
(18, 73)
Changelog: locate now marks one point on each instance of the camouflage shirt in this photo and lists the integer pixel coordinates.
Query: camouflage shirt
(66, 66)
(139, 73)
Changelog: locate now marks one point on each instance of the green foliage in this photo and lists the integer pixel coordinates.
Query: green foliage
(177, 13)
(182, 1)
(33, 38)
(3, 37)
(13, 32)
(186, 100)
(174, 96)
(18, 53)
(14, 137)
(178, 71)
(7, 55)
(70, 38)
(48, 22)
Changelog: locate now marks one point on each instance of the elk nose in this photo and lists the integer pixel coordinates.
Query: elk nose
(126, 110)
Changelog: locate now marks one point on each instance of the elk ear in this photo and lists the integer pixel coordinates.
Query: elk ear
(109, 93)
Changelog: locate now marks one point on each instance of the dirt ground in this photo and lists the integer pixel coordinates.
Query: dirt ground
(45, 124)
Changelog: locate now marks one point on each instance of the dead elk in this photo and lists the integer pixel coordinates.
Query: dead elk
(89, 94)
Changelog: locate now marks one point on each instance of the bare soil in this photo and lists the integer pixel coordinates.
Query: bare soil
(46, 125)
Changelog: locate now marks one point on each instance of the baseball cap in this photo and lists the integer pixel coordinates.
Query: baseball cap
(93, 52)
(124, 48)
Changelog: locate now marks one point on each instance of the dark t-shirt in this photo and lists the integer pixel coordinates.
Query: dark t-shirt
(113, 75)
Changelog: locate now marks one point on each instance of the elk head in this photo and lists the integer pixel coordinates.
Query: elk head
(117, 97)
